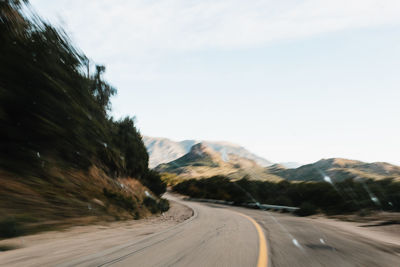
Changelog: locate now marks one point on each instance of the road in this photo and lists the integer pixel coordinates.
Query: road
(218, 235)
(296, 241)
(214, 236)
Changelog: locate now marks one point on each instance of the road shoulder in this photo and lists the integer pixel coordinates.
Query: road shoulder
(57, 246)
(364, 229)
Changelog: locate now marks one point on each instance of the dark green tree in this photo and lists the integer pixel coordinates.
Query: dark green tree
(53, 111)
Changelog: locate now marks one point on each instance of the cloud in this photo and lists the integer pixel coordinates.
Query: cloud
(183, 24)
(146, 29)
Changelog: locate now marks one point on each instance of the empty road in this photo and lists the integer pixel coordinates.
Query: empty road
(218, 235)
(214, 236)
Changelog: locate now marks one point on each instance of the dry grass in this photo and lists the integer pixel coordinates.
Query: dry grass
(64, 198)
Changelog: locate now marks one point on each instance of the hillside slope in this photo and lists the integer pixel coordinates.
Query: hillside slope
(62, 157)
(164, 150)
(67, 197)
(337, 169)
(204, 161)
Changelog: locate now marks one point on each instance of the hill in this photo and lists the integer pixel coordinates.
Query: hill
(62, 156)
(203, 161)
(337, 169)
(164, 150)
(290, 164)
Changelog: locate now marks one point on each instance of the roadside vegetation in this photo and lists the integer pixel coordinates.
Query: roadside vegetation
(343, 197)
(61, 154)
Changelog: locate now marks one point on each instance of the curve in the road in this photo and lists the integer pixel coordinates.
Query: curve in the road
(262, 251)
(214, 236)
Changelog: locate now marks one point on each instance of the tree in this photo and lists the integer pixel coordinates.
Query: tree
(101, 90)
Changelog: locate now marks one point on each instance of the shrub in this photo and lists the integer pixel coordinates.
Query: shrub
(156, 206)
(306, 209)
(136, 215)
(9, 227)
(163, 205)
(120, 199)
(347, 196)
(153, 181)
(151, 204)
(283, 201)
(364, 212)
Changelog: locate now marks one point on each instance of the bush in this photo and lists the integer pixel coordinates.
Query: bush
(153, 181)
(283, 201)
(151, 204)
(163, 205)
(364, 212)
(120, 199)
(347, 196)
(9, 227)
(306, 209)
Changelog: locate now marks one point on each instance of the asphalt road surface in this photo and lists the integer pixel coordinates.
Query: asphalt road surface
(214, 236)
(218, 235)
(296, 241)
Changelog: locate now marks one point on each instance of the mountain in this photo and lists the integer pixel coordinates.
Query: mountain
(290, 164)
(163, 150)
(337, 169)
(203, 161)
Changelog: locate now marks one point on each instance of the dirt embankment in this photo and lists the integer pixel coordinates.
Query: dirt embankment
(66, 197)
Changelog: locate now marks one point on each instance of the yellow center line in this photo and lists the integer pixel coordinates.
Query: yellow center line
(262, 252)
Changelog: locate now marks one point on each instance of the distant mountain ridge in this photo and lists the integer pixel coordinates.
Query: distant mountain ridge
(164, 150)
(337, 169)
(290, 164)
(203, 161)
(223, 158)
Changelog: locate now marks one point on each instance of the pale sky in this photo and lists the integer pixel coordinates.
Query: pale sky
(291, 80)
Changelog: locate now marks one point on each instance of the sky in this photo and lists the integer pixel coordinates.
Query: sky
(290, 80)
